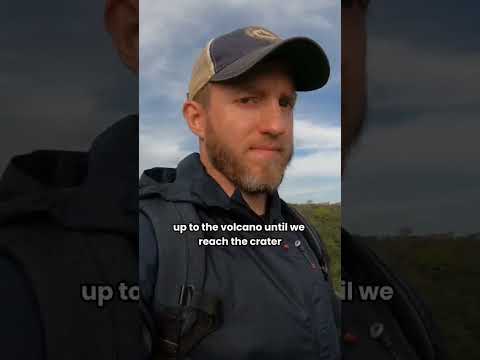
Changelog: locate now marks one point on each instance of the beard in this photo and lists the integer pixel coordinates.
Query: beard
(240, 172)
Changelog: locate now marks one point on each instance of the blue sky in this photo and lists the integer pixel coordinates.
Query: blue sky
(172, 36)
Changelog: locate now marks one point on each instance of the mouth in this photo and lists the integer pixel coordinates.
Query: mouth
(266, 150)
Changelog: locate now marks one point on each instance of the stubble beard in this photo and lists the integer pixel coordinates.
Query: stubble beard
(237, 170)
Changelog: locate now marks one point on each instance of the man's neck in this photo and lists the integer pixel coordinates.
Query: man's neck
(256, 202)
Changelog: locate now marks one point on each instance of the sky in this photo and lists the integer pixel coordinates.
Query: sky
(171, 37)
(416, 164)
(62, 82)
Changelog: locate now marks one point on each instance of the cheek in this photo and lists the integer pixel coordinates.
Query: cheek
(229, 130)
(289, 133)
(240, 126)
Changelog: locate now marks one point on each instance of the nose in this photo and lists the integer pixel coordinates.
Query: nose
(275, 119)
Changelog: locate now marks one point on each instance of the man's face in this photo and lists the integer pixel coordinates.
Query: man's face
(249, 128)
(353, 76)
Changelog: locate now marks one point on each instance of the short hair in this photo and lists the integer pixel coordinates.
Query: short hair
(203, 96)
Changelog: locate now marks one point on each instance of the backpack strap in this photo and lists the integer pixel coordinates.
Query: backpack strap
(314, 239)
(320, 250)
(183, 312)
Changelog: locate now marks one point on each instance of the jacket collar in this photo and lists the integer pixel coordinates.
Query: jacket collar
(192, 183)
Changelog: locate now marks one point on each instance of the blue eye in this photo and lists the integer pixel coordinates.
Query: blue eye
(284, 102)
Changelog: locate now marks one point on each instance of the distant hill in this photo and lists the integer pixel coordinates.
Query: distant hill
(326, 218)
(443, 269)
(445, 272)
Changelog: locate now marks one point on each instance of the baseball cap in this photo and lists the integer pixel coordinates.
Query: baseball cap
(231, 55)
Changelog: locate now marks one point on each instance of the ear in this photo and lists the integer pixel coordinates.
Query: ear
(121, 21)
(196, 116)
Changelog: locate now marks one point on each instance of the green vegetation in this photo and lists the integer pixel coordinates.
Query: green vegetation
(445, 273)
(443, 270)
(326, 218)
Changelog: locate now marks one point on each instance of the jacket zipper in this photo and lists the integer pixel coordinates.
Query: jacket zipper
(323, 267)
(321, 260)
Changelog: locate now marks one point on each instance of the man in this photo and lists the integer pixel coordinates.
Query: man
(401, 327)
(68, 219)
(250, 302)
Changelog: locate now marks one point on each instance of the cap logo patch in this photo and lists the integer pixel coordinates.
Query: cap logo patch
(260, 33)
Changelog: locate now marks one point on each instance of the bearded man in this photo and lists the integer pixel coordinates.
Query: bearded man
(249, 302)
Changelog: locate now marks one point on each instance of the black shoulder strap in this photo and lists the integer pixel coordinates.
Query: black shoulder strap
(181, 262)
(181, 305)
(315, 241)
(320, 250)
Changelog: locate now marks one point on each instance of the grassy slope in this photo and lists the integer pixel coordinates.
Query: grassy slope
(446, 275)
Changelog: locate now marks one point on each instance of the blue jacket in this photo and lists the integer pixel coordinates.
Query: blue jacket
(276, 303)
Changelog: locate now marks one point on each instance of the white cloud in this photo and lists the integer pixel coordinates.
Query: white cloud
(316, 175)
(317, 188)
(160, 146)
(309, 135)
(321, 163)
(172, 35)
(163, 24)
